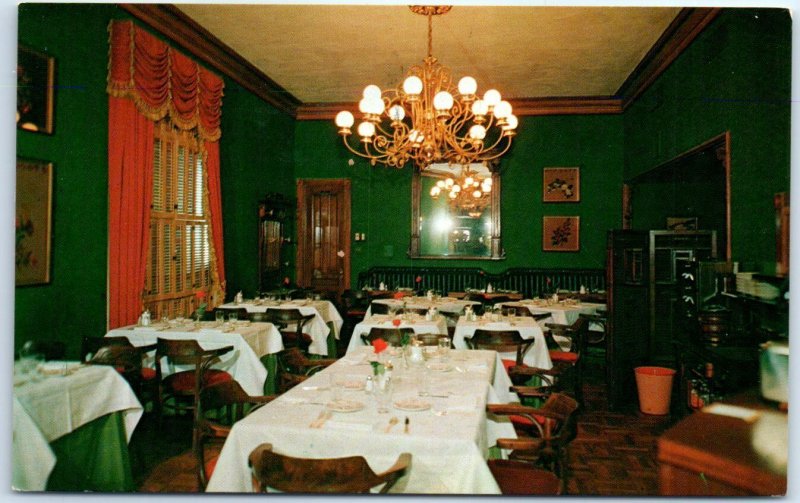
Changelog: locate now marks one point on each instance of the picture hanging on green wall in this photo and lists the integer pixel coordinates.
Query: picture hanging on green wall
(35, 85)
(33, 222)
(561, 233)
(561, 185)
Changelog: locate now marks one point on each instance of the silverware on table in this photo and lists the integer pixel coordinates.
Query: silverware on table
(393, 421)
(405, 428)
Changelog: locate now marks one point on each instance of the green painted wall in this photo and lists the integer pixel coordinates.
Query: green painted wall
(255, 151)
(381, 197)
(74, 303)
(735, 77)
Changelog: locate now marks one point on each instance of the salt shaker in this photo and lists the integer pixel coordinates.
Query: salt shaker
(145, 318)
(369, 385)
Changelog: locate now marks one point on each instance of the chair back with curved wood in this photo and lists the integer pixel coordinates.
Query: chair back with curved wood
(184, 386)
(390, 335)
(545, 431)
(291, 323)
(502, 341)
(346, 475)
(125, 359)
(378, 308)
(220, 405)
(295, 367)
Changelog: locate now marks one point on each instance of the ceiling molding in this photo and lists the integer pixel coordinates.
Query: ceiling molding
(522, 107)
(686, 26)
(178, 27)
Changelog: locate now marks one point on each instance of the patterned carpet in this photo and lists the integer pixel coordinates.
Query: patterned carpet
(614, 453)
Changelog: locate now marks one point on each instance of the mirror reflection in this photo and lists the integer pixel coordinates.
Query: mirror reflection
(455, 211)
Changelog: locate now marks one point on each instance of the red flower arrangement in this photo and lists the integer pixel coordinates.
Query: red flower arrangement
(396, 322)
(399, 295)
(286, 281)
(419, 279)
(379, 345)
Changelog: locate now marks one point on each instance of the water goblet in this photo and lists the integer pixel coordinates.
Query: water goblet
(233, 316)
(383, 393)
(219, 316)
(444, 346)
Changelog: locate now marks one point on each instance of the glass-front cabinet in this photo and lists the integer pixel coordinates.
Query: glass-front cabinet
(273, 214)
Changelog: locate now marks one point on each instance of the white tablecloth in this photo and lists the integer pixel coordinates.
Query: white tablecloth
(323, 310)
(417, 322)
(536, 356)
(562, 313)
(443, 304)
(250, 342)
(448, 452)
(53, 406)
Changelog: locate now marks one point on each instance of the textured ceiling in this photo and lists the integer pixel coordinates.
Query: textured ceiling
(328, 53)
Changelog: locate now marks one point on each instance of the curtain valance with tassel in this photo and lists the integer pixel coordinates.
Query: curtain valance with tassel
(161, 80)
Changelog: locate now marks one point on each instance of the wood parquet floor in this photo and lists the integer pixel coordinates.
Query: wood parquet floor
(614, 453)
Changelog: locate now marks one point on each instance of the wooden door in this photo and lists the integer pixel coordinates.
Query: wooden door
(323, 235)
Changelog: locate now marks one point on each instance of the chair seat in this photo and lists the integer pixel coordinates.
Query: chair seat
(357, 312)
(524, 421)
(519, 478)
(211, 463)
(183, 382)
(563, 356)
(148, 374)
(507, 364)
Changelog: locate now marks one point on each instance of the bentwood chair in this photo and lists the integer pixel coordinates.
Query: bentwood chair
(566, 364)
(543, 435)
(502, 341)
(220, 406)
(291, 323)
(392, 336)
(346, 475)
(378, 308)
(182, 388)
(143, 383)
(295, 367)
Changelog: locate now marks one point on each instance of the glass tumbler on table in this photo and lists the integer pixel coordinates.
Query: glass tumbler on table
(233, 316)
(444, 347)
(382, 390)
(219, 315)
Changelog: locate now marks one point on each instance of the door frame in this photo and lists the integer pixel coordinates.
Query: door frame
(313, 184)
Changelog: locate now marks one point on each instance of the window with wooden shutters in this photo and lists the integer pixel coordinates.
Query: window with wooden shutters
(180, 261)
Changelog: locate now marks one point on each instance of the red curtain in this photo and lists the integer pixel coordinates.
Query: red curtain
(148, 80)
(130, 172)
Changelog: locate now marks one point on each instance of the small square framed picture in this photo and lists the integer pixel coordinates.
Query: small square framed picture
(561, 185)
(561, 233)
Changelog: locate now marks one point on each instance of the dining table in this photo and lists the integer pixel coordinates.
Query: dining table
(537, 354)
(442, 304)
(436, 411)
(252, 363)
(71, 427)
(562, 312)
(419, 323)
(327, 321)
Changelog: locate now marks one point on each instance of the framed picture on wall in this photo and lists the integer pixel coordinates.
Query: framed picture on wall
(35, 89)
(33, 222)
(561, 233)
(561, 185)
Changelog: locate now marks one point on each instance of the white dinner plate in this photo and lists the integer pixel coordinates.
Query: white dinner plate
(345, 405)
(412, 404)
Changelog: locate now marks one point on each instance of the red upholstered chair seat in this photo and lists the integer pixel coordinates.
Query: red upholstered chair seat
(524, 421)
(564, 356)
(184, 381)
(211, 463)
(515, 477)
(148, 374)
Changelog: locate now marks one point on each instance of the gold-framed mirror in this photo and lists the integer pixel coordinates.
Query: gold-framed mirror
(464, 226)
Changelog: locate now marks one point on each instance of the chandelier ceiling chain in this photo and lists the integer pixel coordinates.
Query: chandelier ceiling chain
(422, 121)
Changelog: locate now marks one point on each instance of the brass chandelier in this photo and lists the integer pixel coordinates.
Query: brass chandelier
(422, 121)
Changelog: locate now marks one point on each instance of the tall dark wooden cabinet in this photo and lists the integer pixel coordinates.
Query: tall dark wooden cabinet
(644, 310)
(628, 312)
(274, 211)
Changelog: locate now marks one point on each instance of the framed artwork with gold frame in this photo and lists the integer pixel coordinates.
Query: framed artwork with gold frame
(33, 222)
(561, 185)
(35, 90)
(561, 233)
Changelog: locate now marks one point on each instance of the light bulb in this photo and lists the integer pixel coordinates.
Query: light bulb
(480, 107)
(492, 97)
(416, 137)
(511, 122)
(375, 105)
(467, 86)
(487, 181)
(502, 110)
(440, 184)
(397, 113)
(453, 195)
(366, 129)
(412, 85)
(372, 91)
(435, 191)
(363, 105)
(468, 180)
(456, 188)
(477, 194)
(443, 101)
(477, 132)
(344, 119)
(448, 182)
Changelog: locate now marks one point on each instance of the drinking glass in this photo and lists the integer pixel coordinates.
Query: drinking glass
(383, 393)
(219, 316)
(444, 346)
(233, 316)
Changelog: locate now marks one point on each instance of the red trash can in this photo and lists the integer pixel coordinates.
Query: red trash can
(655, 389)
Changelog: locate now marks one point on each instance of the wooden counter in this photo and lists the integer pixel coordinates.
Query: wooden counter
(713, 455)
